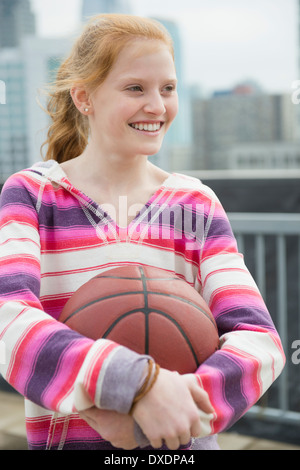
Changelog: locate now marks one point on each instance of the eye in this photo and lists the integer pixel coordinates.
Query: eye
(169, 88)
(135, 88)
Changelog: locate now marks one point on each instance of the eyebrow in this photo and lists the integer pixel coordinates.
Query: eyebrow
(132, 79)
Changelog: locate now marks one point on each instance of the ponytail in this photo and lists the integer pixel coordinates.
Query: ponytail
(67, 136)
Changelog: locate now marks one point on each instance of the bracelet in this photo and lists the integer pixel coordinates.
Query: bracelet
(153, 371)
(142, 390)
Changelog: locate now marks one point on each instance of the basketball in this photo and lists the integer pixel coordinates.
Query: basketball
(148, 310)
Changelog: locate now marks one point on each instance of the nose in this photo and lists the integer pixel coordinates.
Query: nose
(155, 104)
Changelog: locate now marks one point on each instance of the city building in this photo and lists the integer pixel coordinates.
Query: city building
(264, 156)
(26, 71)
(13, 114)
(94, 7)
(242, 116)
(16, 21)
(175, 154)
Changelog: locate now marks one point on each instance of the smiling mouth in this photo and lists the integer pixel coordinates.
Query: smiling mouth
(149, 127)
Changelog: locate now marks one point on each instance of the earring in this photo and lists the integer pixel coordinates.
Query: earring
(86, 110)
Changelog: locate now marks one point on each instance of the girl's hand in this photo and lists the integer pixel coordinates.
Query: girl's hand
(114, 427)
(169, 412)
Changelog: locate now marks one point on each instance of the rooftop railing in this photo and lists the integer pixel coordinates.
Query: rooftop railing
(271, 247)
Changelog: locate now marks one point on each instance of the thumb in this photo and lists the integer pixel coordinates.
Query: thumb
(199, 395)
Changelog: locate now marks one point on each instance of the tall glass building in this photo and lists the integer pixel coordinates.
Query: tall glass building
(94, 7)
(13, 138)
(180, 131)
(16, 21)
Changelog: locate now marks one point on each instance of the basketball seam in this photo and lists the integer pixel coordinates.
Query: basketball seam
(189, 302)
(147, 313)
(138, 278)
(144, 284)
(111, 296)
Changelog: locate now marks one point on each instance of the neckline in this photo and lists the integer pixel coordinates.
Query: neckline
(155, 196)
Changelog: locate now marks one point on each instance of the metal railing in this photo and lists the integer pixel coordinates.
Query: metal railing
(271, 247)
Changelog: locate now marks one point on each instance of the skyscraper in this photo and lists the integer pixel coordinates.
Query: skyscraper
(180, 131)
(13, 118)
(94, 7)
(25, 71)
(243, 131)
(16, 21)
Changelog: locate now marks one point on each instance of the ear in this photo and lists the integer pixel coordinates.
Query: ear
(81, 100)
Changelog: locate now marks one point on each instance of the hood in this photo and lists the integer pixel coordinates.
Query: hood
(53, 173)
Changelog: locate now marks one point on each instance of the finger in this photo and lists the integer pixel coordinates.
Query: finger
(124, 444)
(196, 428)
(156, 443)
(202, 426)
(172, 443)
(185, 438)
(201, 399)
(127, 446)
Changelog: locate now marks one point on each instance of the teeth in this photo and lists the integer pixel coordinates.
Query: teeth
(147, 127)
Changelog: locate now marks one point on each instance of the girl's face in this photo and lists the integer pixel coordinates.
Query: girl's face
(136, 104)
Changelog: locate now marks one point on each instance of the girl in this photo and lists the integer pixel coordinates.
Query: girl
(114, 100)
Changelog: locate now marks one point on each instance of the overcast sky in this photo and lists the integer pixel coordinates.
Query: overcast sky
(223, 41)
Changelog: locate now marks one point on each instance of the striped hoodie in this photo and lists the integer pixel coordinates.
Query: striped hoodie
(53, 238)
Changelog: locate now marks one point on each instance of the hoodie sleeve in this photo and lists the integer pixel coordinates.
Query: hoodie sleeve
(251, 356)
(45, 361)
